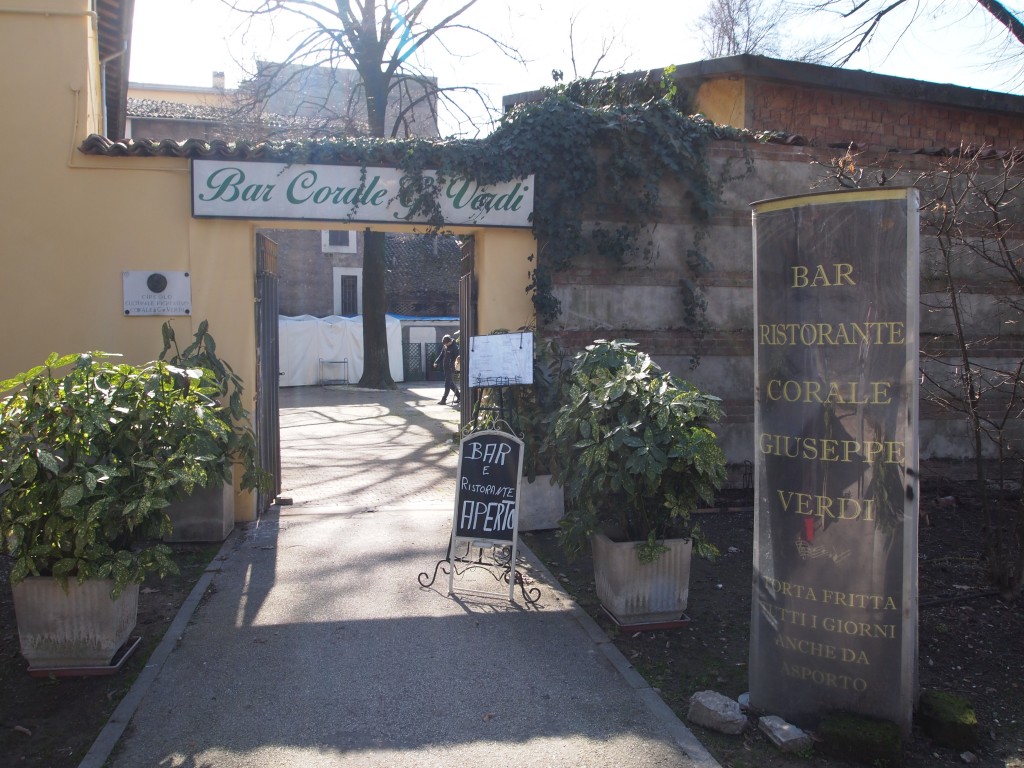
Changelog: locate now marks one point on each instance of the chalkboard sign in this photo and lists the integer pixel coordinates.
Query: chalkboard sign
(487, 496)
(501, 360)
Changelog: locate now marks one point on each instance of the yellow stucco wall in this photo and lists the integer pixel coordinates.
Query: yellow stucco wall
(67, 245)
(70, 224)
(723, 101)
(502, 271)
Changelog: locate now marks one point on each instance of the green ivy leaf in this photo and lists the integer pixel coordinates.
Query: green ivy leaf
(48, 460)
(29, 469)
(64, 567)
(71, 497)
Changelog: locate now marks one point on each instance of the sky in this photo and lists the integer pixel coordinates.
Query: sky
(182, 42)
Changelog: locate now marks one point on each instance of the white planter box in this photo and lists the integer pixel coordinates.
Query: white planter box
(541, 504)
(642, 593)
(83, 627)
(208, 514)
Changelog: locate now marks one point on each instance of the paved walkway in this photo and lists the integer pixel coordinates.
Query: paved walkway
(310, 641)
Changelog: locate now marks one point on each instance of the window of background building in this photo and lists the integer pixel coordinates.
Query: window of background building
(337, 241)
(349, 295)
(347, 291)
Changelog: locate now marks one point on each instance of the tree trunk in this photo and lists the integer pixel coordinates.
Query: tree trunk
(376, 366)
(376, 369)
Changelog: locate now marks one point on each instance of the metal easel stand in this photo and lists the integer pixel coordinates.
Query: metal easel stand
(497, 563)
(502, 412)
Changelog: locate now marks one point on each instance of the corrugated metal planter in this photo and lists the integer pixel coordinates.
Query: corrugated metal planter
(207, 514)
(541, 504)
(82, 627)
(642, 593)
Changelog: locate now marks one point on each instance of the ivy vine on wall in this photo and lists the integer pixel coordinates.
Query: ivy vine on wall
(601, 151)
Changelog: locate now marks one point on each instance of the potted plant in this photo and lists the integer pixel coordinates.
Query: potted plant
(207, 513)
(91, 453)
(542, 498)
(639, 456)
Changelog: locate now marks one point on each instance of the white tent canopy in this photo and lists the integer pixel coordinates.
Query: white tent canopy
(309, 344)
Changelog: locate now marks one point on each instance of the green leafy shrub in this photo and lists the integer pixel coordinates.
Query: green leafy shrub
(536, 406)
(91, 453)
(203, 371)
(638, 454)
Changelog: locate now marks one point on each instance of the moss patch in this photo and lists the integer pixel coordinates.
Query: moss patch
(861, 739)
(948, 719)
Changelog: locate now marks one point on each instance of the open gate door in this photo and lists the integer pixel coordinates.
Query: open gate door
(267, 426)
(467, 325)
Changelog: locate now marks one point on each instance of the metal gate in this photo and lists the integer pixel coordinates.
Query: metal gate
(412, 361)
(432, 351)
(418, 359)
(467, 325)
(267, 427)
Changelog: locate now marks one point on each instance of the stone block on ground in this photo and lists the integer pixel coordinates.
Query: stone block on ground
(783, 735)
(717, 712)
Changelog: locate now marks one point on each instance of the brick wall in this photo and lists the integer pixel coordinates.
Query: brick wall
(422, 275)
(839, 117)
(305, 273)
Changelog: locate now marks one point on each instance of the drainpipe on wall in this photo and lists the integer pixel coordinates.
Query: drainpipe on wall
(103, 82)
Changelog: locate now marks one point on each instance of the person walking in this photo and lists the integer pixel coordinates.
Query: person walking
(449, 354)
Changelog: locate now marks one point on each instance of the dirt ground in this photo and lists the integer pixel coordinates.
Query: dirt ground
(970, 645)
(52, 722)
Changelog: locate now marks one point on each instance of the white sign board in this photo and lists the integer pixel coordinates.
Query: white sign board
(248, 190)
(156, 293)
(501, 359)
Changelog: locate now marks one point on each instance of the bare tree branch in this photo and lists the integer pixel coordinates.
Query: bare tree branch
(972, 271)
(735, 27)
(380, 39)
(1004, 17)
(868, 16)
(388, 94)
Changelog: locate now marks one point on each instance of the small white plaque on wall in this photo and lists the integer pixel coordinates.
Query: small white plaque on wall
(149, 292)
